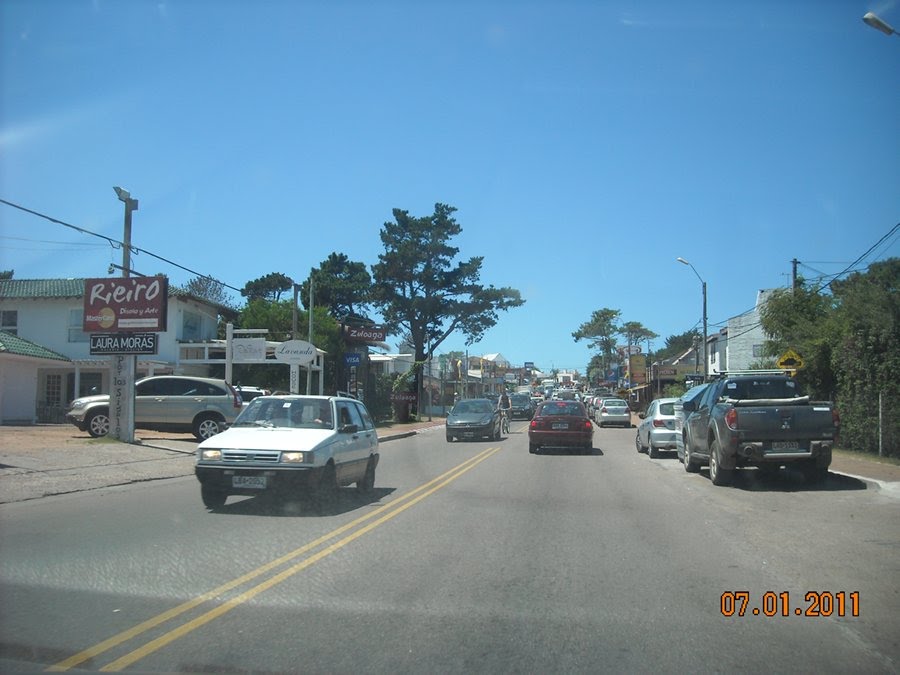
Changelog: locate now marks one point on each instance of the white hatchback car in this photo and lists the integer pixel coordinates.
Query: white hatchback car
(657, 428)
(293, 446)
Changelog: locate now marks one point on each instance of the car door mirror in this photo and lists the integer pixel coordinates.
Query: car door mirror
(689, 406)
(642, 415)
(348, 429)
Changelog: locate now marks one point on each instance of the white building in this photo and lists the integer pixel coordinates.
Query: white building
(58, 366)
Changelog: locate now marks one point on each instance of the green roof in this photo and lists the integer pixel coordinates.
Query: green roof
(41, 288)
(13, 344)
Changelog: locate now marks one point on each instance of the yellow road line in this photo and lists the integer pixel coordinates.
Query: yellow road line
(131, 633)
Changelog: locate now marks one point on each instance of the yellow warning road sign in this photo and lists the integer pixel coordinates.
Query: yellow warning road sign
(790, 360)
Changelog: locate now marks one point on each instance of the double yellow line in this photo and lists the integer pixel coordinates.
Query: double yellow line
(377, 517)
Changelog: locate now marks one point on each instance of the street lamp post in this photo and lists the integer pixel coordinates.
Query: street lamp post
(124, 370)
(703, 284)
(878, 24)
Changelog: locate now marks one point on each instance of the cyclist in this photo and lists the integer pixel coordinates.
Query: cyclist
(504, 406)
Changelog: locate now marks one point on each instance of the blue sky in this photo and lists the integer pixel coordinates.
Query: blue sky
(586, 145)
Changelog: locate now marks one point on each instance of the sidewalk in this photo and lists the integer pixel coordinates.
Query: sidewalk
(54, 459)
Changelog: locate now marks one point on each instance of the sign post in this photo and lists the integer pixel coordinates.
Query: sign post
(125, 308)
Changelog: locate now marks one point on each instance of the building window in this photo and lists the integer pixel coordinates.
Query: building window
(758, 351)
(9, 320)
(190, 327)
(53, 390)
(76, 323)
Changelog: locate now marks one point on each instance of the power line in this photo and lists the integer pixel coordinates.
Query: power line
(115, 243)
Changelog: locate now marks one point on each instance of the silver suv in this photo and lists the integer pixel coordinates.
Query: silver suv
(201, 405)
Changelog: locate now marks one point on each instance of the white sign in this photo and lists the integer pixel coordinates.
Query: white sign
(299, 352)
(248, 349)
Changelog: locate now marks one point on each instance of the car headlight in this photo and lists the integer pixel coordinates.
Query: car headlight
(211, 455)
(296, 457)
(78, 403)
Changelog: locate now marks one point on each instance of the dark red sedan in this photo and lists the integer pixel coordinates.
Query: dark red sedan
(563, 424)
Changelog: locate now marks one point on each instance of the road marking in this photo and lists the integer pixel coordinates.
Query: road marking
(393, 508)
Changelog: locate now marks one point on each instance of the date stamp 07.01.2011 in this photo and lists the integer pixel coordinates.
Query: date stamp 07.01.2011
(815, 604)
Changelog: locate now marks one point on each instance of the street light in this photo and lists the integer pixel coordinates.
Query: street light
(124, 366)
(878, 24)
(703, 283)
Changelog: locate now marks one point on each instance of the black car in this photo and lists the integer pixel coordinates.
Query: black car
(521, 406)
(474, 418)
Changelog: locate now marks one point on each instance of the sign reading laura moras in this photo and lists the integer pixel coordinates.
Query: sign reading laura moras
(124, 343)
(125, 304)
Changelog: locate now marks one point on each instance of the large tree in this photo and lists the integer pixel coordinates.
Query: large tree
(424, 293)
(210, 289)
(268, 287)
(341, 285)
(600, 331)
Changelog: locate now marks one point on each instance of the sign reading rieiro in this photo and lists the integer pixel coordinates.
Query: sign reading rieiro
(125, 304)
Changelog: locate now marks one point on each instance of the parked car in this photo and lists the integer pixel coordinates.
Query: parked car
(474, 418)
(521, 406)
(759, 419)
(560, 423)
(613, 412)
(693, 394)
(292, 446)
(657, 428)
(204, 406)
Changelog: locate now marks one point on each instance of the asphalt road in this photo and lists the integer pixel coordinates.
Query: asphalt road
(470, 557)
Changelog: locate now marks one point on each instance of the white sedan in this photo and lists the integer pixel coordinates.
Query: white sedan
(290, 445)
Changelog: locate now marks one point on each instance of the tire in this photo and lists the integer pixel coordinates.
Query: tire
(533, 449)
(717, 474)
(97, 424)
(367, 483)
(637, 443)
(212, 498)
(689, 464)
(326, 491)
(653, 451)
(207, 426)
(449, 438)
(498, 434)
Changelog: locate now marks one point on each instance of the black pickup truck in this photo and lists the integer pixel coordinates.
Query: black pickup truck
(758, 419)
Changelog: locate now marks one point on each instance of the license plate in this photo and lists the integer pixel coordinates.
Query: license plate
(560, 425)
(785, 445)
(249, 482)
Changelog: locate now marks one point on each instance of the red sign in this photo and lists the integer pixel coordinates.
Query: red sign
(364, 333)
(126, 304)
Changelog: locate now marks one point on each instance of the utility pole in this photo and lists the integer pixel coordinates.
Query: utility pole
(794, 264)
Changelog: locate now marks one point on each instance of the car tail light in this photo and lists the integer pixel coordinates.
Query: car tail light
(659, 423)
(731, 419)
(236, 398)
(835, 418)
(588, 425)
(603, 409)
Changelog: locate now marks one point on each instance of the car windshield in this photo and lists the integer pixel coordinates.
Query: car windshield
(468, 407)
(288, 413)
(615, 403)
